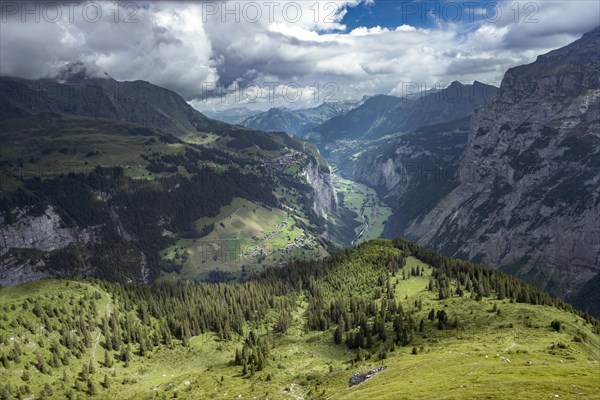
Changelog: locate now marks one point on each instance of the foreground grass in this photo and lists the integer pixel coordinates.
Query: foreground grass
(510, 353)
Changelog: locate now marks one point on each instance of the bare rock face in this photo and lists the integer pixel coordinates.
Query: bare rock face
(45, 233)
(529, 194)
(358, 378)
(324, 200)
(14, 272)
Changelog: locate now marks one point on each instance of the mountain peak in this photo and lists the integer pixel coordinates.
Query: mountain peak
(593, 32)
(80, 70)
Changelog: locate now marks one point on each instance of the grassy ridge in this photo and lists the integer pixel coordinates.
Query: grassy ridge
(497, 348)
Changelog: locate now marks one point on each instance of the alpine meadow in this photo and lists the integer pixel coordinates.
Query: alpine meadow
(300, 200)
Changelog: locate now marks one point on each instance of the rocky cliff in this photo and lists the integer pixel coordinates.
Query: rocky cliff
(45, 232)
(324, 199)
(528, 198)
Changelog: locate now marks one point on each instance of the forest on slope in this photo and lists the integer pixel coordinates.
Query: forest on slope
(301, 330)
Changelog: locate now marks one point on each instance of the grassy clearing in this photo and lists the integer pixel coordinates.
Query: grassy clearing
(65, 144)
(245, 234)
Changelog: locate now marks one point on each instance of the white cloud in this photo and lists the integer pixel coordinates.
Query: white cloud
(183, 46)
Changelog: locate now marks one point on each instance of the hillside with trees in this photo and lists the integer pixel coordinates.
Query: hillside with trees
(300, 330)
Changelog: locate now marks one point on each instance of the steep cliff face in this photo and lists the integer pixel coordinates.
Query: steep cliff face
(324, 200)
(30, 235)
(46, 232)
(529, 194)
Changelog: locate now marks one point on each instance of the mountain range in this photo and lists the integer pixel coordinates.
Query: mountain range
(233, 115)
(120, 179)
(514, 186)
(506, 177)
(297, 122)
(383, 115)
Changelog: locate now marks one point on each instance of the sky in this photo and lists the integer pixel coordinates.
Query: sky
(262, 54)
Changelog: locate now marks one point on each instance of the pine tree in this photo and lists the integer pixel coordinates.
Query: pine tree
(25, 375)
(107, 359)
(84, 374)
(106, 382)
(338, 336)
(431, 315)
(91, 385)
(47, 392)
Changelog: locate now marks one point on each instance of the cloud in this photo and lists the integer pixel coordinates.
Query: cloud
(189, 47)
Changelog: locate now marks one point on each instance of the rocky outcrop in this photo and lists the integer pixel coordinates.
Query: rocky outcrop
(15, 272)
(358, 378)
(45, 232)
(324, 199)
(529, 194)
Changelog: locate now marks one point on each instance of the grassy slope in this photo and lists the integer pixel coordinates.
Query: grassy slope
(54, 144)
(455, 364)
(243, 233)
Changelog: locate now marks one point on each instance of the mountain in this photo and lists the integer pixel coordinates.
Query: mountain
(349, 326)
(233, 116)
(296, 122)
(523, 196)
(83, 94)
(137, 185)
(383, 115)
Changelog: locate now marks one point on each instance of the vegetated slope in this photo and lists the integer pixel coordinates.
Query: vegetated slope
(87, 190)
(528, 198)
(79, 92)
(427, 325)
(383, 115)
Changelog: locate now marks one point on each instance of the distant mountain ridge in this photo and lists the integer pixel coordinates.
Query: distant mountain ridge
(233, 115)
(77, 91)
(297, 122)
(383, 115)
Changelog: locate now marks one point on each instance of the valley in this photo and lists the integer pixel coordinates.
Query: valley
(355, 204)
(364, 201)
